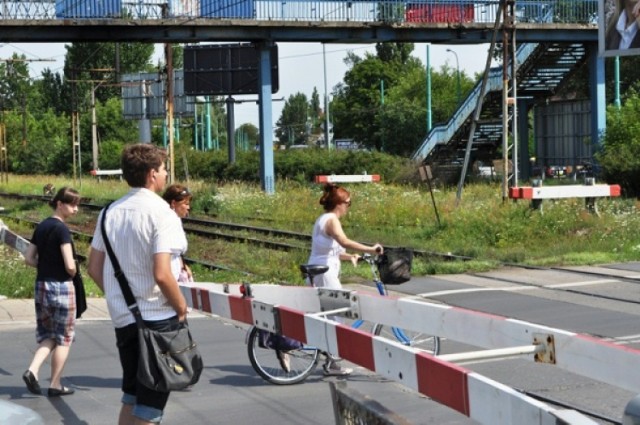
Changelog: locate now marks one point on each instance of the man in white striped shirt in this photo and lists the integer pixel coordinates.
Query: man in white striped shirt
(144, 233)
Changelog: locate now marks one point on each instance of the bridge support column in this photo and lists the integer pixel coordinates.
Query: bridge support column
(523, 140)
(597, 96)
(267, 179)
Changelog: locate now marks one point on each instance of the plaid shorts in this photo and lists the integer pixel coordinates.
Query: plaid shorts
(55, 311)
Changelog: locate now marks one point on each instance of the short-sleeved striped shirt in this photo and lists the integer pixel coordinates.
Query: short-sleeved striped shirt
(139, 225)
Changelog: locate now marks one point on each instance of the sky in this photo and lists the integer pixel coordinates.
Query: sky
(301, 66)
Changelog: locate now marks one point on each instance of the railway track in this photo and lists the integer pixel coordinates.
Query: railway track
(269, 238)
(285, 240)
(274, 245)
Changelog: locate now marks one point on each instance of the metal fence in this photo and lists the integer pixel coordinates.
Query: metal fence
(386, 11)
(562, 131)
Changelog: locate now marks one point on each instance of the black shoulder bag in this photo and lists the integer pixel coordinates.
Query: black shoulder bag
(168, 360)
(78, 284)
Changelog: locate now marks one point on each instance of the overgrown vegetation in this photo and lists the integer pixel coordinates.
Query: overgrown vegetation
(620, 156)
(482, 226)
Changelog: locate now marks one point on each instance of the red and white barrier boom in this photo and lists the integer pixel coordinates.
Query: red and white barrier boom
(300, 313)
(356, 178)
(567, 191)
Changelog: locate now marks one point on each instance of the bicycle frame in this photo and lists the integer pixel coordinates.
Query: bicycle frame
(382, 290)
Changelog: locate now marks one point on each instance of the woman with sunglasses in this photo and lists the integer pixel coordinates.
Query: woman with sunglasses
(179, 199)
(329, 246)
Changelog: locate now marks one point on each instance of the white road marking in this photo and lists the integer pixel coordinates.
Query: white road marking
(514, 289)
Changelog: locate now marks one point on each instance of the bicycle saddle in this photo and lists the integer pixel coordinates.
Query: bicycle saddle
(312, 270)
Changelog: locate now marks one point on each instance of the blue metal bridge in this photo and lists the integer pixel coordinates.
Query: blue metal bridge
(555, 38)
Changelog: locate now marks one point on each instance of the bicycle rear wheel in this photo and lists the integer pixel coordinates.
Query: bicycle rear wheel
(303, 362)
(427, 343)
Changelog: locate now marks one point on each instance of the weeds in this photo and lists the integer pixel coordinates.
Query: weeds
(482, 226)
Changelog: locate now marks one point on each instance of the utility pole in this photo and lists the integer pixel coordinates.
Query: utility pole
(458, 88)
(95, 84)
(168, 53)
(327, 130)
(508, 48)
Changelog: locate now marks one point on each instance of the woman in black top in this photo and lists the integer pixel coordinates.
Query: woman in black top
(51, 253)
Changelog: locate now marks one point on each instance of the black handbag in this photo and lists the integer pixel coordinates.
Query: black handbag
(78, 284)
(168, 360)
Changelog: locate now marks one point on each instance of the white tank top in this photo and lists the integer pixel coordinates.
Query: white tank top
(325, 251)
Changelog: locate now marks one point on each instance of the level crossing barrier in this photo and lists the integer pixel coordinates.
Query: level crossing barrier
(301, 313)
(590, 191)
(353, 178)
(106, 173)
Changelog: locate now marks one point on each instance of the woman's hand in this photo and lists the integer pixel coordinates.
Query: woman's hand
(377, 249)
(354, 260)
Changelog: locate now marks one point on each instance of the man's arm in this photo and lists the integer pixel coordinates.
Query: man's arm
(168, 284)
(96, 267)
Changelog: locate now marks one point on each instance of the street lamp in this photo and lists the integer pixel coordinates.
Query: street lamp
(457, 74)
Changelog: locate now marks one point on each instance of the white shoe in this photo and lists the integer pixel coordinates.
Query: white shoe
(333, 368)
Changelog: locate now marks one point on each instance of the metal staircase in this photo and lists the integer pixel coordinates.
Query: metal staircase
(542, 69)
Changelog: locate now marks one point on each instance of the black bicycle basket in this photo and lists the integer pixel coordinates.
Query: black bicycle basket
(394, 266)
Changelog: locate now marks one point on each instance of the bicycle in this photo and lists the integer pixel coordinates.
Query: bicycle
(424, 342)
(266, 362)
(304, 360)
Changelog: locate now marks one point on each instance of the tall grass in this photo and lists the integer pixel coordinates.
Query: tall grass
(482, 225)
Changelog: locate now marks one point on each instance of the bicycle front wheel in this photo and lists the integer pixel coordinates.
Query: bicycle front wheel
(427, 343)
(302, 362)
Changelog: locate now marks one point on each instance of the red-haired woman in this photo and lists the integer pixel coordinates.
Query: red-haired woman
(329, 246)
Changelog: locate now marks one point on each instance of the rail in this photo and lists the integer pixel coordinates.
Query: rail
(385, 11)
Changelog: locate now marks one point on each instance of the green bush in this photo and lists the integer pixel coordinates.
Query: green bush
(619, 158)
(300, 165)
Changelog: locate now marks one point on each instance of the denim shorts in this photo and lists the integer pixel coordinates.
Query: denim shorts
(147, 403)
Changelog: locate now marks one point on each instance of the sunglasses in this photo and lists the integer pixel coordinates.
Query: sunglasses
(184, 194)
(347, 202)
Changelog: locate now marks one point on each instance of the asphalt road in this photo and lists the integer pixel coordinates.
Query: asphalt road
(231, 393)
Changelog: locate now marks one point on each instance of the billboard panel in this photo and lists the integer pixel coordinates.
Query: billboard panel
(619, 27)
(225, 69)
(143, 96)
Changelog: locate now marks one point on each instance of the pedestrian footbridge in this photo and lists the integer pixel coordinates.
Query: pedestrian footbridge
(554, 39)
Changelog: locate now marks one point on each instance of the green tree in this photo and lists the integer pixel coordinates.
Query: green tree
(48, 150)
(17, 91)
(53, 92)
(619, 157)
(392, 120)
(110, 127)
(291, 127)
(359, 102)
(15, 84)
(247, 136)
(315, 111)
(103, 62)
(394, 52)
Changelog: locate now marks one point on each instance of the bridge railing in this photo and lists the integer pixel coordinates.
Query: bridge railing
(441, 134)
(385, 11)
